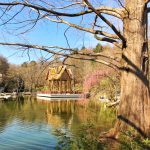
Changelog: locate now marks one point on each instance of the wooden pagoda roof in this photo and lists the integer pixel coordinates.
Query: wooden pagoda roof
(59, 73)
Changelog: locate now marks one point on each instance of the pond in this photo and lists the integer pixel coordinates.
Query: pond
(28, 123)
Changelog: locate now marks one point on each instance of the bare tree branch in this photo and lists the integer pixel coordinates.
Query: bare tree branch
(82, 28)
(44, 12)
(148, 10)
(105, 39)
(117, 12)
(70, 5)
(74, 56)
(106, 21)
(112, 41)
(12, 16)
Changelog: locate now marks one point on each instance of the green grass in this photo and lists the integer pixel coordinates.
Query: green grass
(87, 136)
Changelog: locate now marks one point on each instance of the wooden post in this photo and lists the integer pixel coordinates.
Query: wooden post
(57, 86)
(66, 86)
(49, 85)
(70, 88)
(52, 86)
(74, 84)
(60, 86)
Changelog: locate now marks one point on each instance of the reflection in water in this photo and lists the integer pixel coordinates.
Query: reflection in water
(60, 113)
(29, 123)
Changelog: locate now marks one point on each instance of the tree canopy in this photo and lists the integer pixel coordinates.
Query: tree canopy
(4, 65)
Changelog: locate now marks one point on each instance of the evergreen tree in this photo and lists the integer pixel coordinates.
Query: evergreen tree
(98, 48)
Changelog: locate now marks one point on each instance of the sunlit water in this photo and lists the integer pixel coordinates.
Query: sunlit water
(30, 124)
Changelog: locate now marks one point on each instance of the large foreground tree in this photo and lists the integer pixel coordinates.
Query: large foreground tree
(134, 108)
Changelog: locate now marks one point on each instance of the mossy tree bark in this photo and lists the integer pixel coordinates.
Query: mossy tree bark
(134, 108)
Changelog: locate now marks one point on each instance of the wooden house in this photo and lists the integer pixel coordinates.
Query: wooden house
(60, 79)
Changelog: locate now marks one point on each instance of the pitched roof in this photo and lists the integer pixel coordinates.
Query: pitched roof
(56, 73)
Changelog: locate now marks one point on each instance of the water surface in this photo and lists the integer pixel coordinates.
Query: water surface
(27, 123)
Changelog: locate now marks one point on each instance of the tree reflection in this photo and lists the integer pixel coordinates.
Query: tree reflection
(60, 113)
(56, 114)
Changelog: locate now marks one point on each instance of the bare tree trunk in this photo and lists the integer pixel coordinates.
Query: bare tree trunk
(134, 108)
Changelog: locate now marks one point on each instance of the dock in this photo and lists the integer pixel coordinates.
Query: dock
(5, 96)
(60, 96)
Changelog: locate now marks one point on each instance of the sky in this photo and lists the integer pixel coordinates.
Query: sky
(43, 34)
(46, 33)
